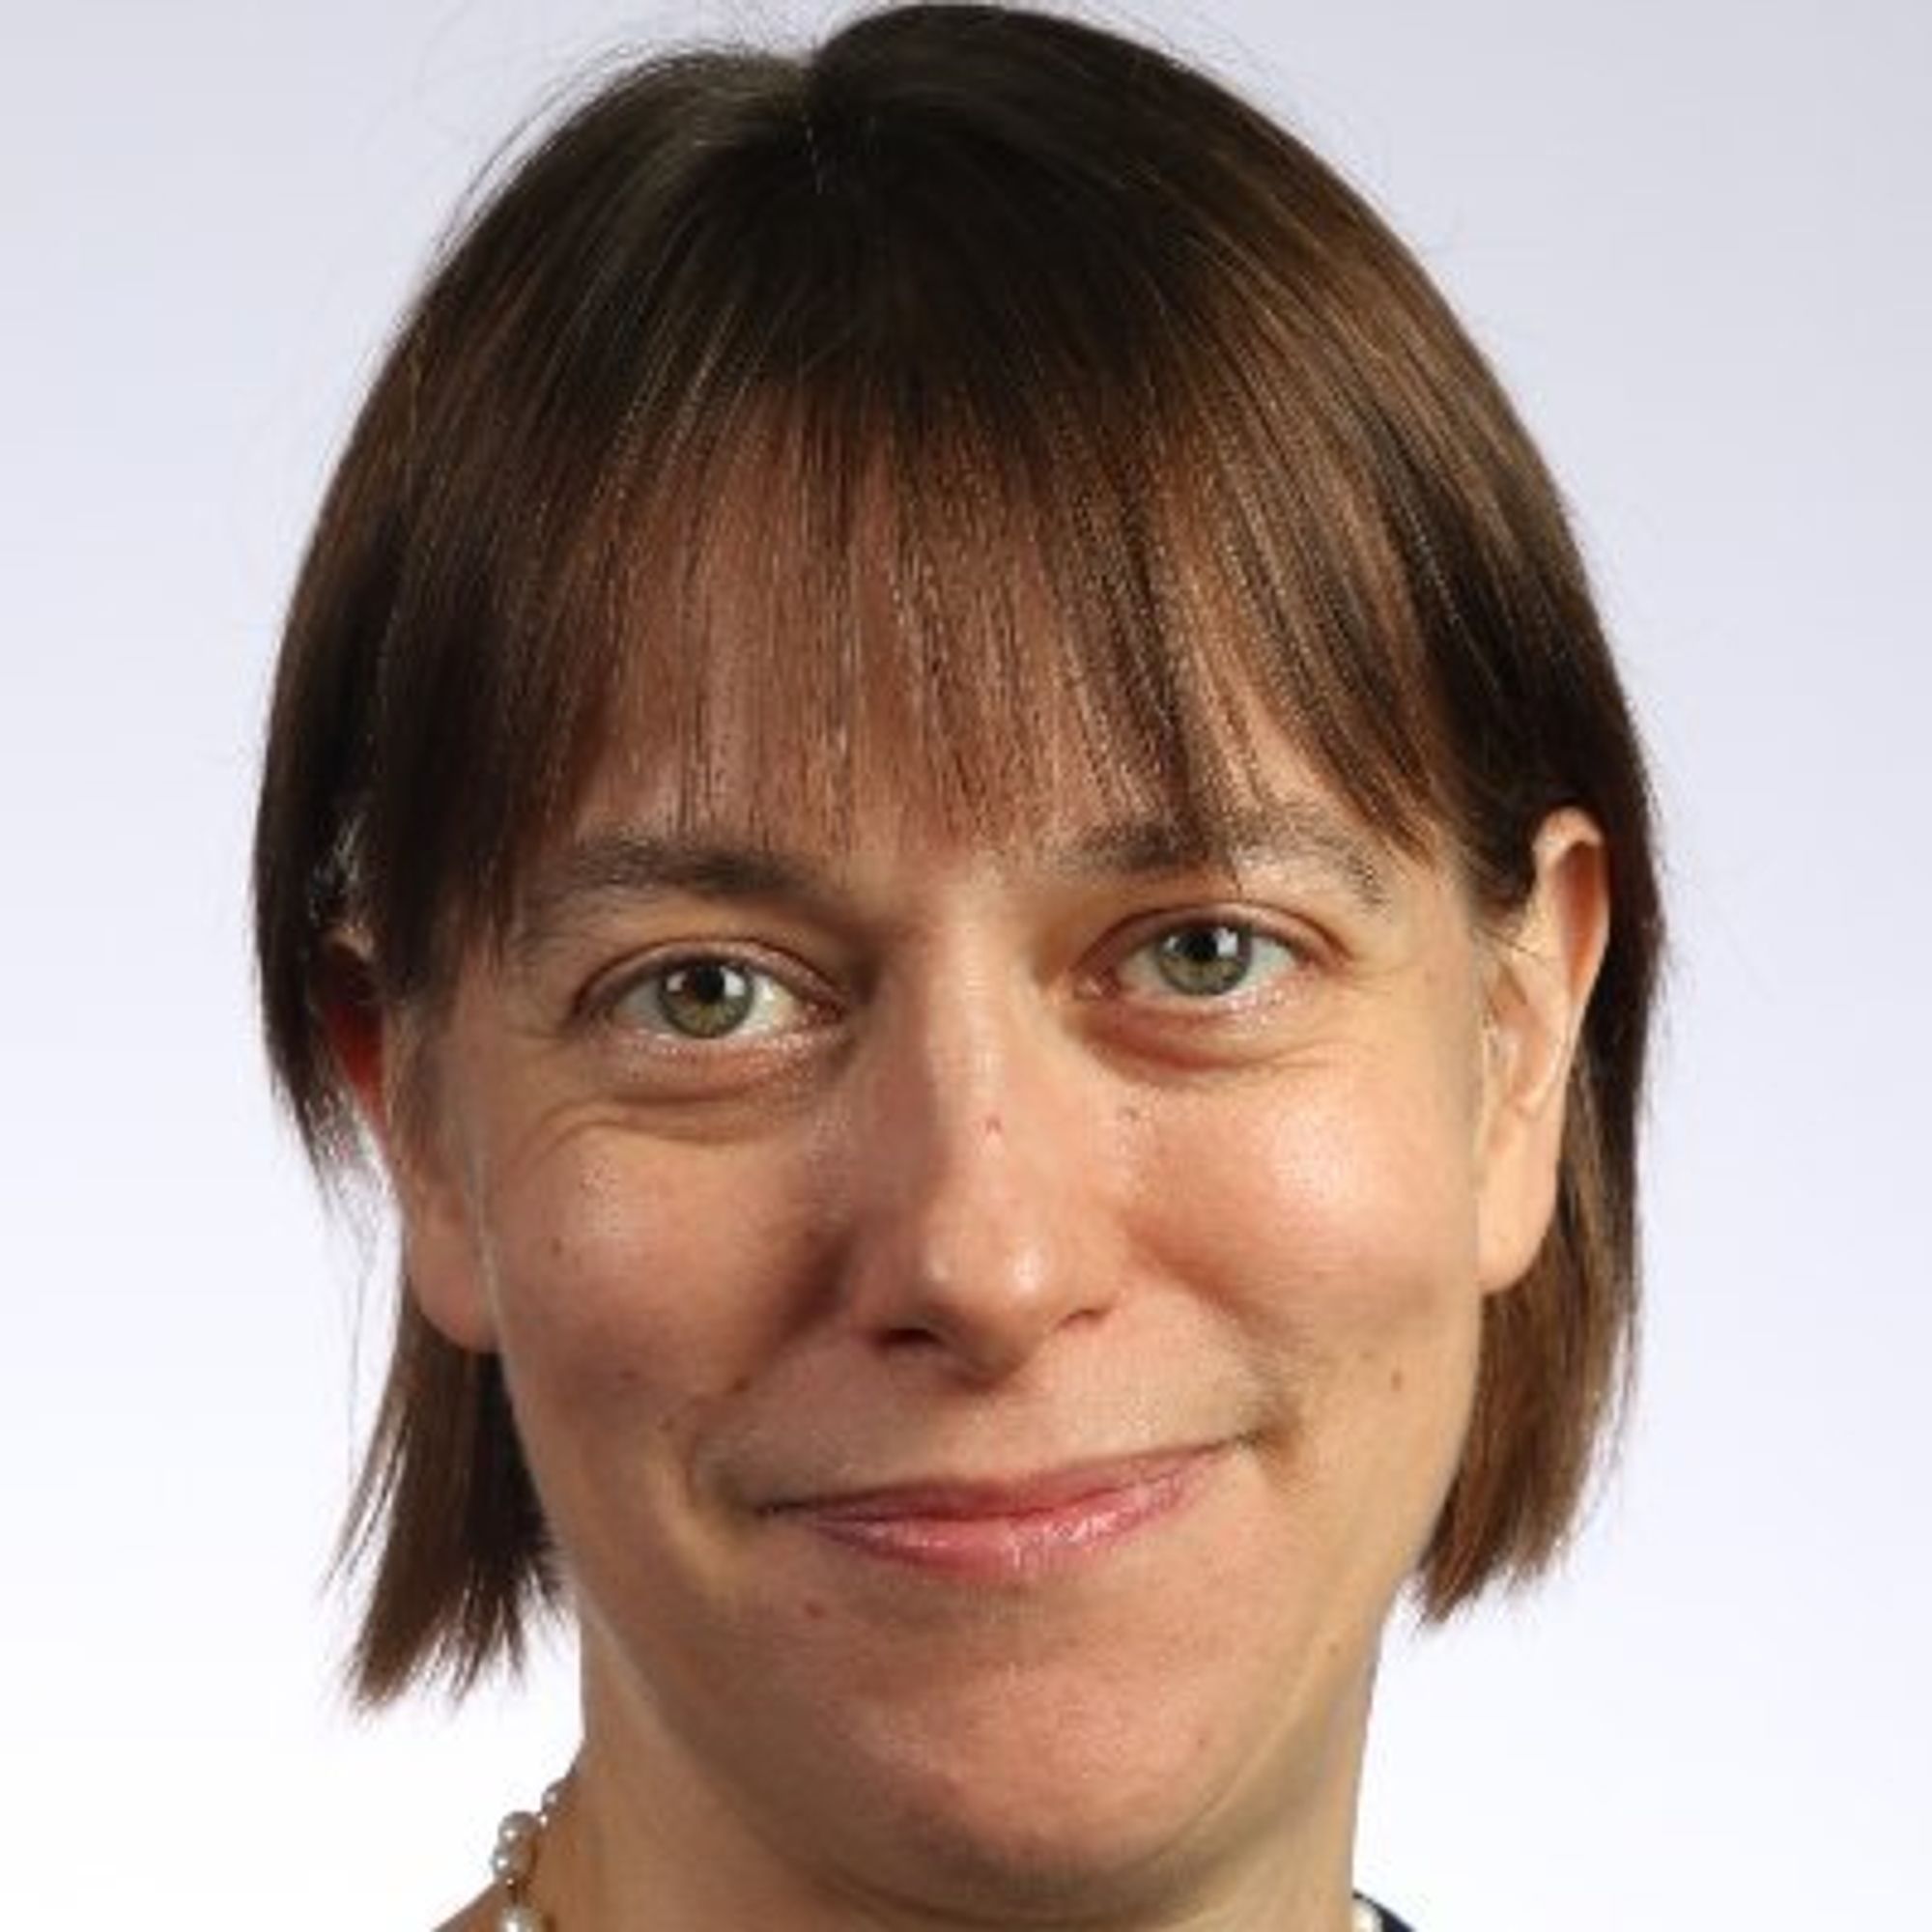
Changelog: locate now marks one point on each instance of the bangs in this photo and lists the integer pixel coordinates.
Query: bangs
(843, 608)
(960, 567)
(863, 453)
(828, 631)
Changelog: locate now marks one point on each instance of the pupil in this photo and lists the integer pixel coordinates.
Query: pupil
(706, 999)
(1205, 959)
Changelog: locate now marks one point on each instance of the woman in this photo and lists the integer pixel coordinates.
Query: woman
(943, 791)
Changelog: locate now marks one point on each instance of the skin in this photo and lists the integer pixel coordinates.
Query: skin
(989, 1394)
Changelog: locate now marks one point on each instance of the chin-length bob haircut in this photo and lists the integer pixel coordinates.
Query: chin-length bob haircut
(897, 421)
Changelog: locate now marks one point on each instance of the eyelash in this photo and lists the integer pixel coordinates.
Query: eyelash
(1261, 954)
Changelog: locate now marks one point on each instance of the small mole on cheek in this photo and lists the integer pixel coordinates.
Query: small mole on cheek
(991, 1127)
(1398, 1381)
(814, 1611)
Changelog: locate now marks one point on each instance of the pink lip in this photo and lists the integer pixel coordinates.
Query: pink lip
(1011, 1529)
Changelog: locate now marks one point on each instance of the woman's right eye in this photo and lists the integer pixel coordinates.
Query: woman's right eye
(705, 996)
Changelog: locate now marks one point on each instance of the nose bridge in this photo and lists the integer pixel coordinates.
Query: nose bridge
(970, 1242)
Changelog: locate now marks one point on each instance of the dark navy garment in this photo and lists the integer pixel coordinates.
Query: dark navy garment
(1390, 1922)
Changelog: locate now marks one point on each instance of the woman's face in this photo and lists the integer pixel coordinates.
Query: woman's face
(991, 1329)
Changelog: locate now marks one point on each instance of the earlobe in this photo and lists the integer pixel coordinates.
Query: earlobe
(1541, 978)
(382, 1071)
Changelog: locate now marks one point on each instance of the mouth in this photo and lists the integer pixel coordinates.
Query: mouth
(1011, 1529)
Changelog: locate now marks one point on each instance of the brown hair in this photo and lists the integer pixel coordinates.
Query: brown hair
(975, 362)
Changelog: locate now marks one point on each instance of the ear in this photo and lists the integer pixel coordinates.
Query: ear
(1541, 973)
(381, 1057)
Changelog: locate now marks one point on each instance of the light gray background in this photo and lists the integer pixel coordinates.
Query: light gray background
(1694, 236)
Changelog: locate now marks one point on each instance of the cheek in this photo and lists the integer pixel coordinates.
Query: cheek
(622, 1270)
(1334, 1234)
(1338, 1245)
(1348, 1203)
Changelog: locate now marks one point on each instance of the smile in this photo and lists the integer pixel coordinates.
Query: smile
(1010, 1530)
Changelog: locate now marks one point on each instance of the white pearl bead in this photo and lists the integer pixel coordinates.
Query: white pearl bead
(516, 1828)
(520, 1919)
(513, 1860)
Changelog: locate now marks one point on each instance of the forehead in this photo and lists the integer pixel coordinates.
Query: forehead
(831, 657)
(646, 830)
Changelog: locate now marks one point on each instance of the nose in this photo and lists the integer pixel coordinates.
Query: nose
(979, 1231)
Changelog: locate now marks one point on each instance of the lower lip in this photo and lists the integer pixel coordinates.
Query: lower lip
(1015, 1542)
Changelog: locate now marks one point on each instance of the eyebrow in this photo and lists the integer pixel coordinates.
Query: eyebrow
(1295, 832)
(624, 863)
(628, 863)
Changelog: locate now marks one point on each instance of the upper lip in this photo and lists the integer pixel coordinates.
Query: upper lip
(970, 1498)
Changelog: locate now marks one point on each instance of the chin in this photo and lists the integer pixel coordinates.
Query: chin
(1056, 1860)
(1031, 1806)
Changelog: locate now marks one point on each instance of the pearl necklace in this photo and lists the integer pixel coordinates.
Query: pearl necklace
(520, 1838)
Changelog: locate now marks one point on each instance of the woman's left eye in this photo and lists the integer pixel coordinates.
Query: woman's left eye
(706, 997)
(1205, 959)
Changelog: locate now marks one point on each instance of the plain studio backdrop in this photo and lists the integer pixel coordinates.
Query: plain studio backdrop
(1695, 236)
